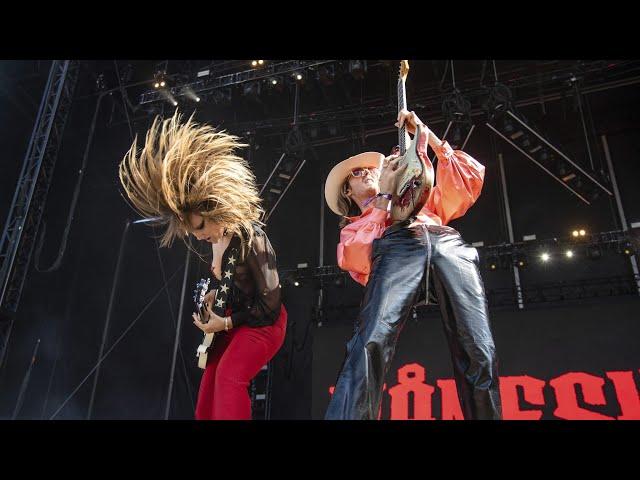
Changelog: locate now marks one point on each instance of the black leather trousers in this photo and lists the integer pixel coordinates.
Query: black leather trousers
(402, 260)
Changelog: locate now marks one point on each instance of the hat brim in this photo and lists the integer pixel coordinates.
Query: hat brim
(339, 173)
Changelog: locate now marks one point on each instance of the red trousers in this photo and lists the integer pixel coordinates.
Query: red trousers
(237, 357)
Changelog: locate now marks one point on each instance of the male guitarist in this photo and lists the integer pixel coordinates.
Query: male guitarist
(395, 261)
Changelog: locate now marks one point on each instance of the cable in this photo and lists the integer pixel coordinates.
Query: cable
(116, 343)
(164, 279)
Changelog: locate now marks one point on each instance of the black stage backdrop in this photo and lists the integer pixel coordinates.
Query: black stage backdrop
(574, 361)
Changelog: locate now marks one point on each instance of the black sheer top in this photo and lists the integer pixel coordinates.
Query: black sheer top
(255, 294)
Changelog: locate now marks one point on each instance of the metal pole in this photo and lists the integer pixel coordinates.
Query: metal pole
(285, 191)
(25, 382)
(526, 154)
(114, 285)
(267, 396)
(616, 193)
(584, 125)
(272, 172)
(177, 336)
(321, 257)
(516, 272)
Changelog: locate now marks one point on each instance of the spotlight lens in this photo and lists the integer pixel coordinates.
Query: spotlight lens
(582, 233)
(260, 62)
(274, 82)
(296, 283)
(175, 104)
(569, 253)
(197, 99)
(254, 63)
(299, 77)
(156, 85)
(575, 233)
(545, 257)
(162, 84)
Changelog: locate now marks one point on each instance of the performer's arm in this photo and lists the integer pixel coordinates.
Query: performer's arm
(356, 239)
(459, 177)
(459, 180)
(265, 310)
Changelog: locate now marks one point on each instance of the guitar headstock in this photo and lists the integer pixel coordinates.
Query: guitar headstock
(200, 292)
(404, 69)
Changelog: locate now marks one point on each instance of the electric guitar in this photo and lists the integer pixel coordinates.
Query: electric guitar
(198, 297)
(413, 188)
(220, 297)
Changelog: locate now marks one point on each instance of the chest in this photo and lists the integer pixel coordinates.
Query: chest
(218, 250)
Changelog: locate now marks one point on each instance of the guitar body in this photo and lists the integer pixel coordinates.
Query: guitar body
(203, 349)
(413, 188)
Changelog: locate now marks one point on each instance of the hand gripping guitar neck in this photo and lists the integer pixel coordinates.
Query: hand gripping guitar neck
(414, 186)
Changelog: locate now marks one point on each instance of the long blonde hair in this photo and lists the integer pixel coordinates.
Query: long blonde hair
(190, 168)
(346, 205)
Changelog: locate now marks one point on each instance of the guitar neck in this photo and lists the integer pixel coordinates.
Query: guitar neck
(402, 104)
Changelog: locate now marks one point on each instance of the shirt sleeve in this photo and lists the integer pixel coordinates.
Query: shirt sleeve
(356, 240)
(265, 305)
(459, 180)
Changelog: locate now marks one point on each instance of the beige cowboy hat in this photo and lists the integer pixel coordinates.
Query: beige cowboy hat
(339, 173)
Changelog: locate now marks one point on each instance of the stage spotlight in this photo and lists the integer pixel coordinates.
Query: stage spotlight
(260, 62)
(582, 233)
(575, 233)
(298, 76)
(545, 257)
(190, 94)
(159, 79)
(296, 283)
(274, 81)
(569, 253)
(254, 63)
(175, 104)
(492, 262)
(520, 260)
(627, 248)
